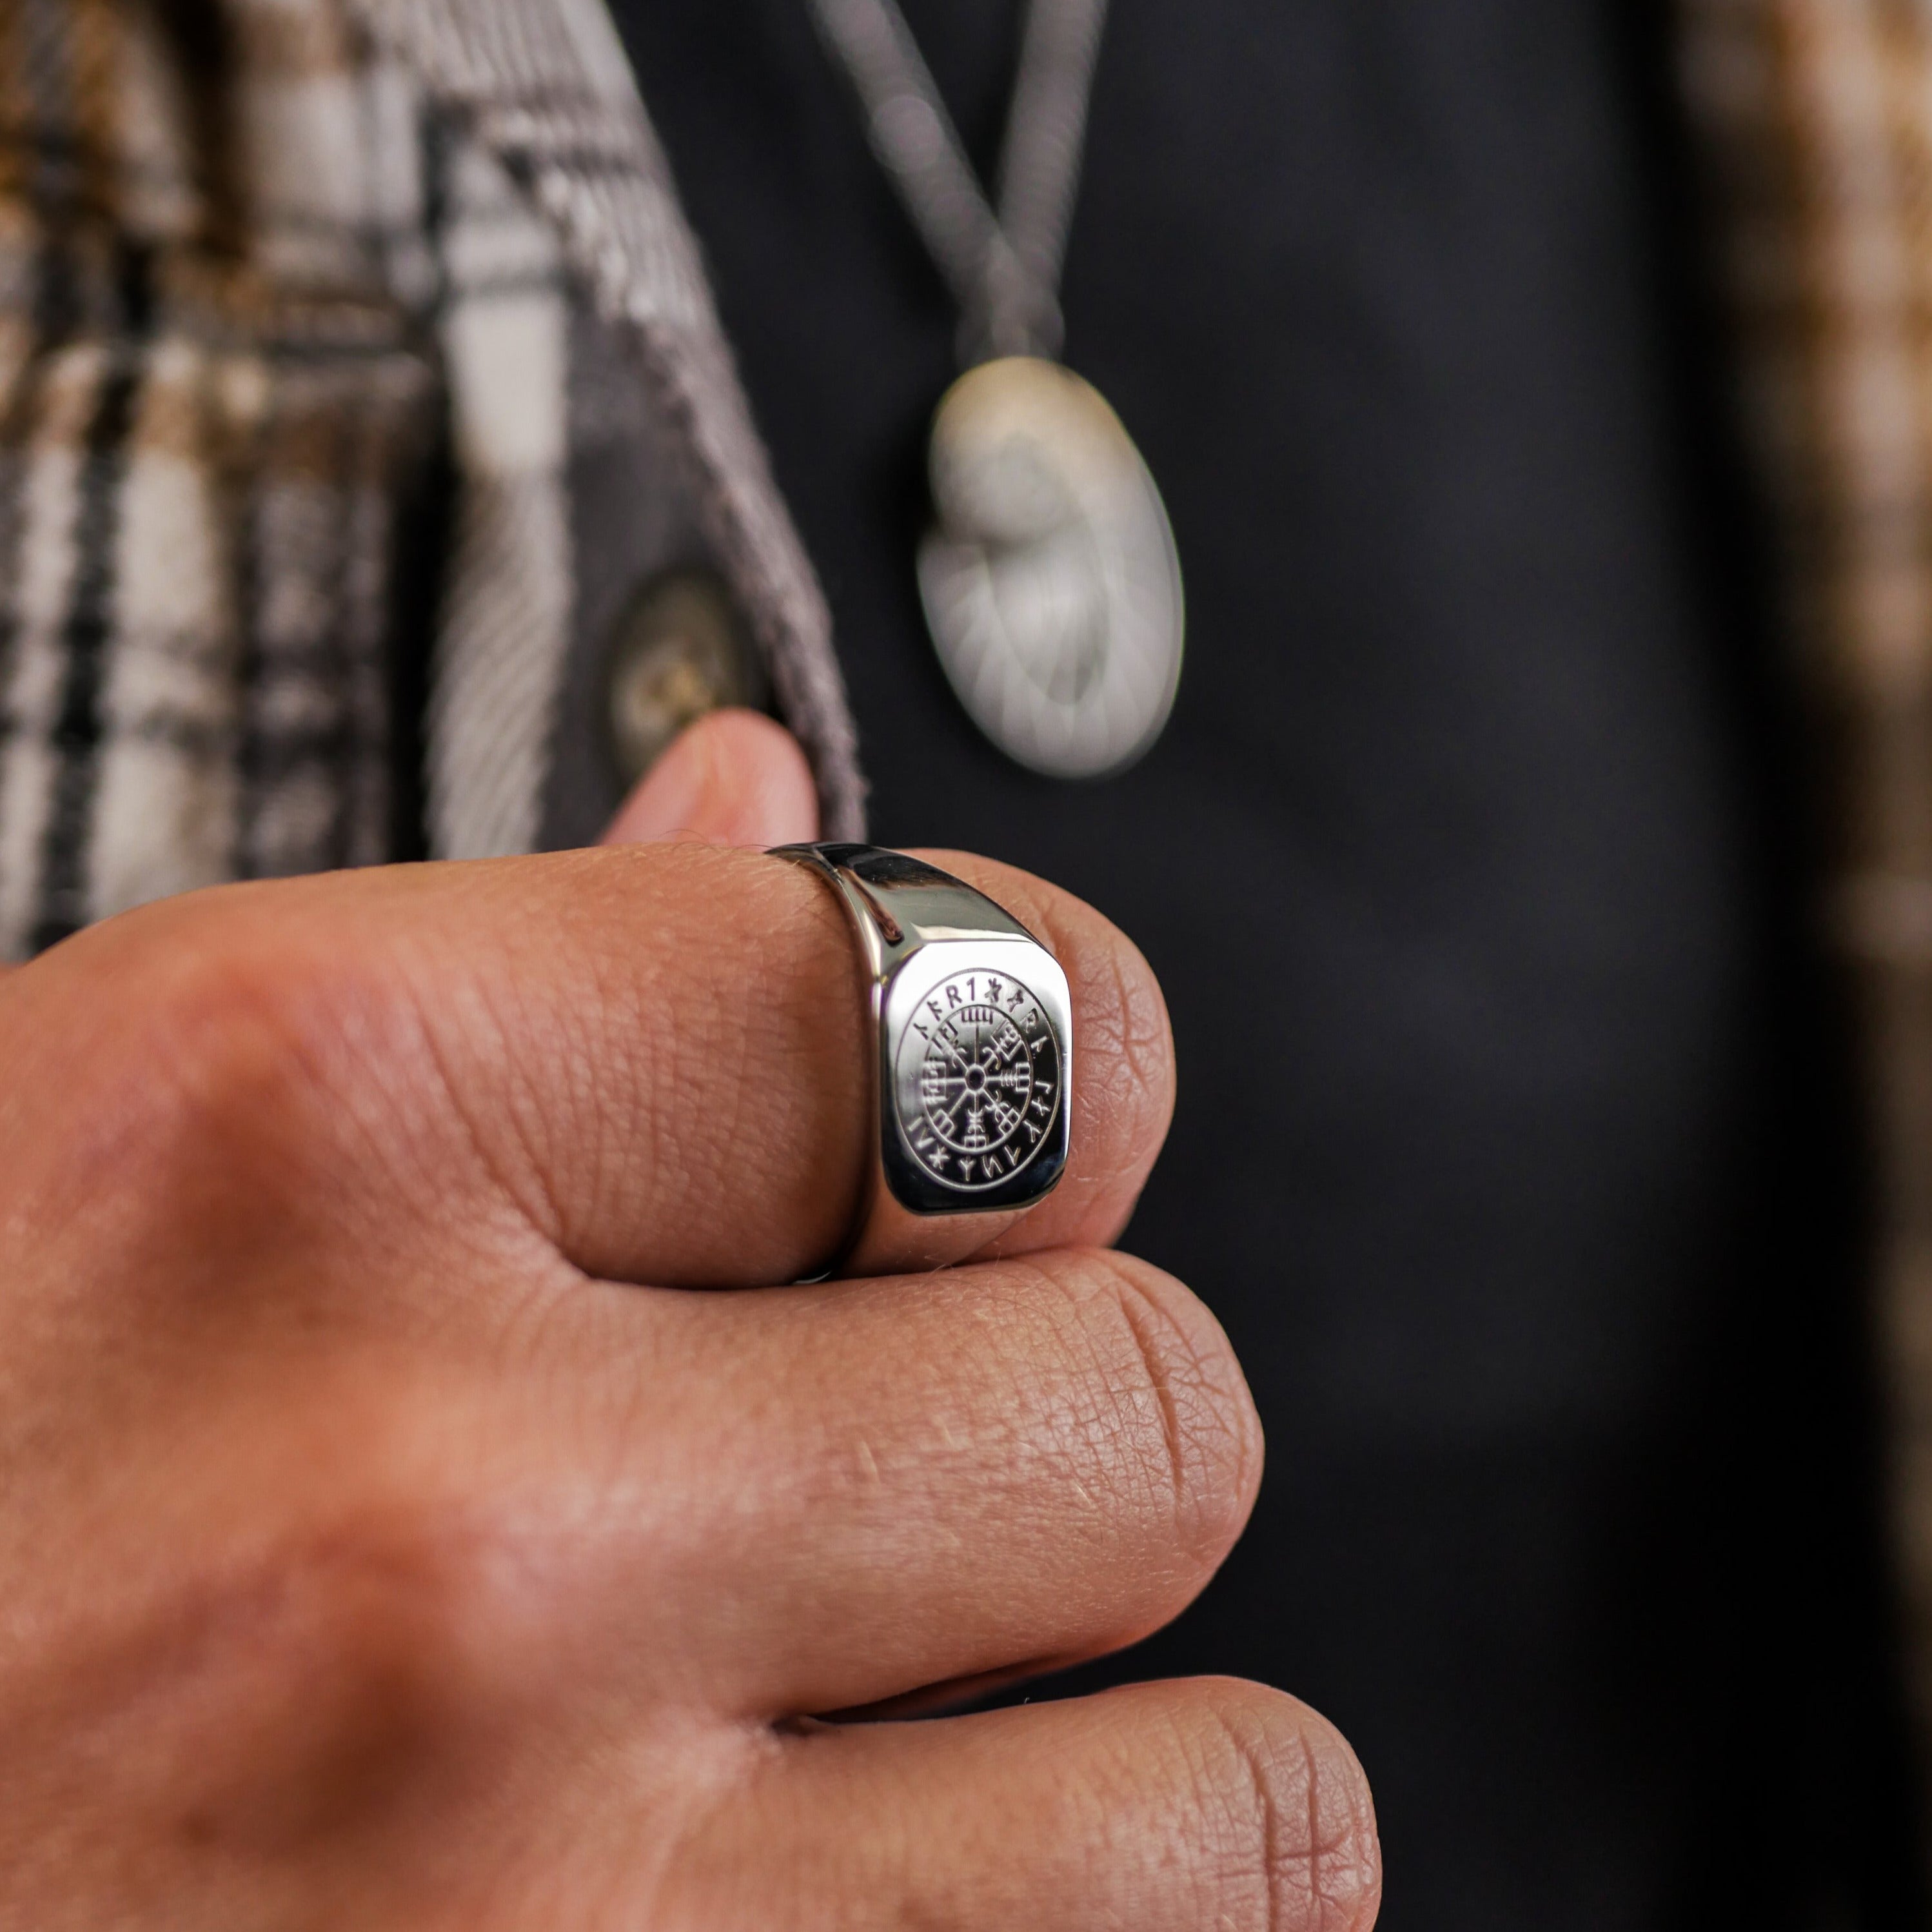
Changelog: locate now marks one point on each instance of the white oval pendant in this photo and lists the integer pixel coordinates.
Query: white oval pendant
(1050, 584)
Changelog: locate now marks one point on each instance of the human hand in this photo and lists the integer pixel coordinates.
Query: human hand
(374, 1556)
(734, 778)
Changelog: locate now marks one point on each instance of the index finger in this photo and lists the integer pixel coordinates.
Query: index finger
(654, 1056)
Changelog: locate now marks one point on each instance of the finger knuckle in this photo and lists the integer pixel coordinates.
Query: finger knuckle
(308, 1682)
(229, 1068)
(1288, 1822)
(250, 1029)
(1180, 1413)
(1129, 1018)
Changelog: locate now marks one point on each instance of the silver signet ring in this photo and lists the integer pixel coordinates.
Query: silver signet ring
(971, 1031)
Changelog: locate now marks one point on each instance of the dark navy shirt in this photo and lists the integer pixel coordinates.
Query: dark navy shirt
(1512, 1147)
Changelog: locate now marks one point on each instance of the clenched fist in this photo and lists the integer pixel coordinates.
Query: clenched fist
(420, 1508)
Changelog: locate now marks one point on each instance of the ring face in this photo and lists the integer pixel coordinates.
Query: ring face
(975, 1060)
(978, 1082)
(973, 1051)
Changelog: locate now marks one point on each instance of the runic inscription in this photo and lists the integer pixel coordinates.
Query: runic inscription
(987, 1079)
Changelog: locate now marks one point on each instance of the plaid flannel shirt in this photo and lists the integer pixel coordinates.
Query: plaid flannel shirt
(260, 262)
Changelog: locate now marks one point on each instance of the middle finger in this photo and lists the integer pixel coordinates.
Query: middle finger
(829, 1497)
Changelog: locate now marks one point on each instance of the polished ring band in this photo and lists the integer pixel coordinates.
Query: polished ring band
(971, 1029)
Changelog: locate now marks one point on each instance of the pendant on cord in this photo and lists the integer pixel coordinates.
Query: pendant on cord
(1050, 583)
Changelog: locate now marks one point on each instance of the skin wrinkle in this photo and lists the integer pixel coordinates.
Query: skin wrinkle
(621, 1109)
(1312, 1775)
(534, 1316)
(1262, 1789)
(619, 1405)
(1127, 1462)
(1228, 1409)
(1333, 1876)
(528, 1067)
(1021, 1473)
(1157, 1380)
(392, 1032)
(1101, 1787)
(1133, 1461)
(763, 1752)
(1109, 1434)
(1105, 1425)
(745, 1120)
(536, 1204)
(529, 1556)
(748, 1057)
(567, 1058)
(660, 1087)
(663, 1085)
(1211, 1508)
(718, 1118)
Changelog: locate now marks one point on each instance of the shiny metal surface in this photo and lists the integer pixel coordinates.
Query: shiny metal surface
(972, 1065)
(1051, 583)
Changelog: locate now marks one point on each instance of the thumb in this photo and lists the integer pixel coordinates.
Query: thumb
(734, 778)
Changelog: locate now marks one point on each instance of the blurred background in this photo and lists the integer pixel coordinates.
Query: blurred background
(1521, 1145)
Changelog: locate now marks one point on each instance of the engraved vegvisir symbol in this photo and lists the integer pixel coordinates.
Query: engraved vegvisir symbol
(987, 1079)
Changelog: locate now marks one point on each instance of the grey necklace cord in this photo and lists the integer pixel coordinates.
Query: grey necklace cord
(1004, 268)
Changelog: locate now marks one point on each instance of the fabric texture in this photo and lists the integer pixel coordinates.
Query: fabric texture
(1816, 119)
(261, 262)
(546, 88)
(207, 426)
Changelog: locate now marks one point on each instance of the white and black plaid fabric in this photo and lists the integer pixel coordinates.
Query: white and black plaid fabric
(260, 262)
(206, 436)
